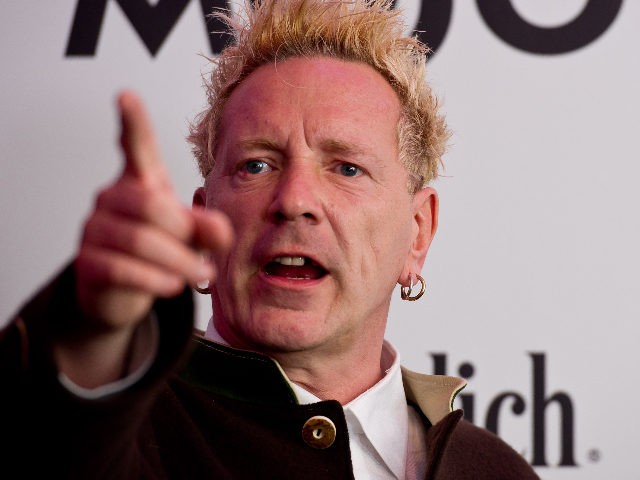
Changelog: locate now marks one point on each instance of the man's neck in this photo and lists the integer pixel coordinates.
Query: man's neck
(330, 378)
(340, 375)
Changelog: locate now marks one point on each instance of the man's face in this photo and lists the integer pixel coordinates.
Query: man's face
(307, 170)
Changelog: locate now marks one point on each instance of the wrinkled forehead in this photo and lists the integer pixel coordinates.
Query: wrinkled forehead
(319, 91)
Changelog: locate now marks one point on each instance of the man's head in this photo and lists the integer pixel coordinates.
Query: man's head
(367, 31)
(310, 172)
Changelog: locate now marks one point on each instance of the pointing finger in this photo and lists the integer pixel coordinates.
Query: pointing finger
(136, 202)
(142, 158)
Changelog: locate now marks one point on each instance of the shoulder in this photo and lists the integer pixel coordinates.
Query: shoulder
(474, 452)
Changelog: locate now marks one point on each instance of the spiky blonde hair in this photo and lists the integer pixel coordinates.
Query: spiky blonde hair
(367, 31)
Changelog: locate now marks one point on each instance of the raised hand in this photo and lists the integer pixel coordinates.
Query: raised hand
(139, 243)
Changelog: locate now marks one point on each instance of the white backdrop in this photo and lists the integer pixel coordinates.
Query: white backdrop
(536, 257)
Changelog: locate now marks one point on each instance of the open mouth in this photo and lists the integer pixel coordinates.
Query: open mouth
(296, 268)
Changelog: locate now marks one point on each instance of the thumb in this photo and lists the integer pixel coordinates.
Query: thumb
(213, 230)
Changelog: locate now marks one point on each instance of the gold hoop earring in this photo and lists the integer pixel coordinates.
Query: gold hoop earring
(405, 292)
(204, 290)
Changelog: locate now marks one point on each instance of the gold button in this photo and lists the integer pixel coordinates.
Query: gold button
(319, 432)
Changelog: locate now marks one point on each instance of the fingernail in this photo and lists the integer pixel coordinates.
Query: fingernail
(202, 284)
(204, 272)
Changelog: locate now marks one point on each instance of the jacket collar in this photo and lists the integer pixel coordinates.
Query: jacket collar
(432, 394)
(239, 374)
(253, 377)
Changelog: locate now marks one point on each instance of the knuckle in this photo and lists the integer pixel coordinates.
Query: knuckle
(152, 205)
(135, 239)
(172, 285)
(96, 229)
(82, 262)
(91, 266)
(104, 197)
(89, 234)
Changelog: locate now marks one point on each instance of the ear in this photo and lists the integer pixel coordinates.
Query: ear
(199, 198)
(425, 223)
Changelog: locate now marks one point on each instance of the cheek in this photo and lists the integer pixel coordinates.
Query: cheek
(381, 242)
(238, 202)
(390, 237)
(240, 209)
(218, 196)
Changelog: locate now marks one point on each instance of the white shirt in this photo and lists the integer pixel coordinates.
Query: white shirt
(379, 421)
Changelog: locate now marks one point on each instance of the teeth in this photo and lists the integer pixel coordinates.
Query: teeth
(295, 261)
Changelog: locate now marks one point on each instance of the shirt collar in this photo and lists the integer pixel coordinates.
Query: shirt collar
(212, 334)
(380, 413)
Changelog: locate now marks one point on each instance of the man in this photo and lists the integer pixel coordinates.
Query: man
(316, 151)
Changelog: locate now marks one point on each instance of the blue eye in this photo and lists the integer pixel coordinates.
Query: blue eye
(349, 170)
(256, 166)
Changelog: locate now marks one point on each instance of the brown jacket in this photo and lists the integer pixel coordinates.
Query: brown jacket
(202, 410)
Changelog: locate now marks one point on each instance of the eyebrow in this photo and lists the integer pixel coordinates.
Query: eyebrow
(330, 146)
(338, 146)
(261, 143)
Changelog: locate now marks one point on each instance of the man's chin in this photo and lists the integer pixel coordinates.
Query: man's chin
(286, 332)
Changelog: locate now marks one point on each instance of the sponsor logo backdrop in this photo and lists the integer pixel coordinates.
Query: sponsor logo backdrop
(533, 287)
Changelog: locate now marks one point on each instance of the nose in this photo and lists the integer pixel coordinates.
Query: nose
(297, 196)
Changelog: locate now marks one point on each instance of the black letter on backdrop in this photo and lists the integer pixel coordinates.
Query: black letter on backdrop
(540, 404)
(504, 21)
(439, 363)
(86, 26)
(517, 407)
(433, 22)
(152, 23)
